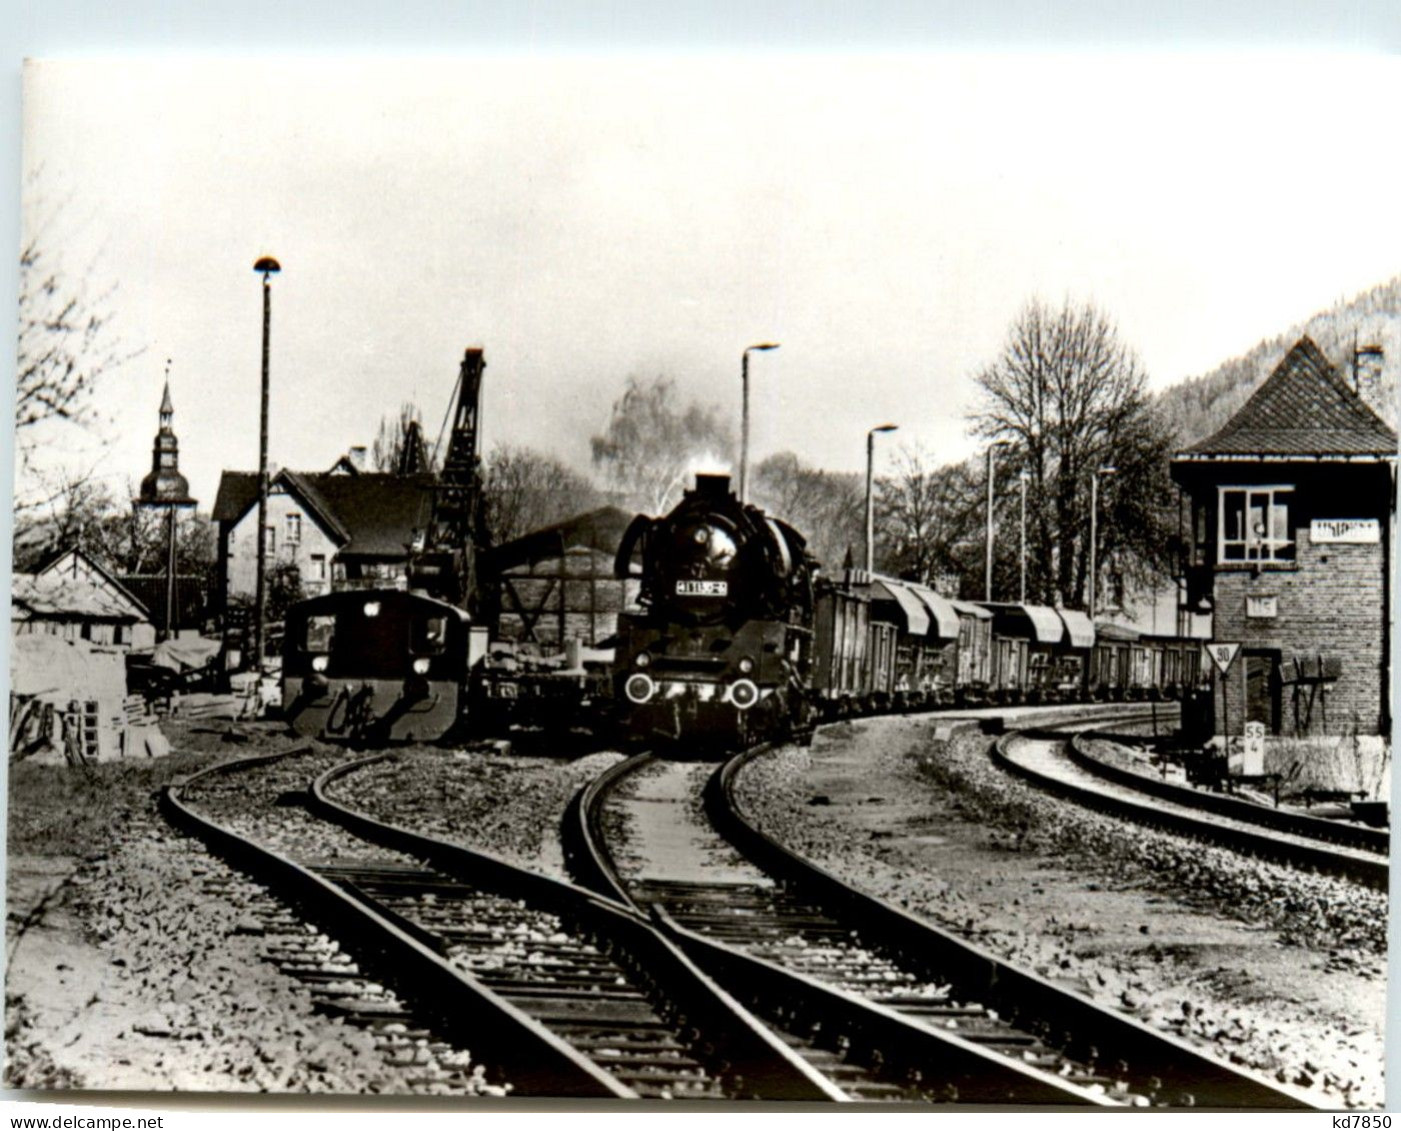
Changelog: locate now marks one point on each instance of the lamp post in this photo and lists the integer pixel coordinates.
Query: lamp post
(267, 267)
(1094, 531)
(870, 494)
(1023, 477)
(744, 417)
(987, 575)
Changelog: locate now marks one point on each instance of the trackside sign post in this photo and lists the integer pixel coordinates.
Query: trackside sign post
(1222, 653)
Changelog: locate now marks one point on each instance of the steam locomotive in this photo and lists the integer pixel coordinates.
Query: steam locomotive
(721, 646)
(740, 638)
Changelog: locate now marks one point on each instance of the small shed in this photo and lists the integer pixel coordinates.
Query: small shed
(557, 584)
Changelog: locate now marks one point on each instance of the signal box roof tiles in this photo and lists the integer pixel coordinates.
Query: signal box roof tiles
(1305, 410)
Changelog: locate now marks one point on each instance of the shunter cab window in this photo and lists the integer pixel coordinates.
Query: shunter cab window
(430, 635)
(1255, 525)
(320, 631)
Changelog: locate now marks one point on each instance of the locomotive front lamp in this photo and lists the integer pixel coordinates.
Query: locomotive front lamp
(870, 496)
(639, 688)
(743, 694)
(744, 416)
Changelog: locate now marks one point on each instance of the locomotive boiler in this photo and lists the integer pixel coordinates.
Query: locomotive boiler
(719, 650)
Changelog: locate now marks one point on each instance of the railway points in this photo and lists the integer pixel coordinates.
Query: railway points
(817, 929)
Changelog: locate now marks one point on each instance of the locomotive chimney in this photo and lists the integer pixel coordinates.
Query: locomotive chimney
(713, 486)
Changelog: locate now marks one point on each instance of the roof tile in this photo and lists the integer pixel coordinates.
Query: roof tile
(1303, 408)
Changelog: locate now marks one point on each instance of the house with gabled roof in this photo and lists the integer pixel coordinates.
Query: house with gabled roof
(341, 528)
(1293, 505)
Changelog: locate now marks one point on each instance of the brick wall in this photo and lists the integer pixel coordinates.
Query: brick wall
(1332, 603)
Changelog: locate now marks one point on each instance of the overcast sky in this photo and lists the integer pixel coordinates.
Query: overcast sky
(884, 217)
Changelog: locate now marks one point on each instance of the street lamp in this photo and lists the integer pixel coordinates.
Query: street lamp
(267, 266)
(870, 497)
(1023, 477)
(987, 577)
(1094, 531)
(744, 417)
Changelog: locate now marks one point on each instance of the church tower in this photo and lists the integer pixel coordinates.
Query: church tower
(165, 486)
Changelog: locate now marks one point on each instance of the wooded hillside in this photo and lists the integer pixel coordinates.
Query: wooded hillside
(1199, 406)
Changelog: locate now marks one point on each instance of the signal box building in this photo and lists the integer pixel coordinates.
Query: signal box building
(1292, 511)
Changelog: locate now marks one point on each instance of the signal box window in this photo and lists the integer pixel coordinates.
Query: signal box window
(1254, 525)
(430, 636)
(320, 631)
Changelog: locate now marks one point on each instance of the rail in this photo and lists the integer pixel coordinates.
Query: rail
(1300, 824)
(758, 1065)
(896, 1045)
(1091, 1029)
(1371, 872)
(533, 1059)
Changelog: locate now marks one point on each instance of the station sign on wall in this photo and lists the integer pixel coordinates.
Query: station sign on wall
(1353, 531)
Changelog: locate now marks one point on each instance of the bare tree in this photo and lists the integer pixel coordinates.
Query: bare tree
(652, 443)
(1071, 397)
(66, 346)
(923, 515)
(526, 490)
(76, 513)
(399, 446)
(825, 506)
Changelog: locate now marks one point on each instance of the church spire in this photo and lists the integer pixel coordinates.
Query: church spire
(165, 485)
(167, 406)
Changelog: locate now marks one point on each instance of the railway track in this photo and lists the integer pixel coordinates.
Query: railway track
(848, 976)
(1056, 759)
(440, 946)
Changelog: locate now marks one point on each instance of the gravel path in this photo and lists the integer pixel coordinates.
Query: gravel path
(1134, 919)
(508, 805)
(146, 970)
(664, 834)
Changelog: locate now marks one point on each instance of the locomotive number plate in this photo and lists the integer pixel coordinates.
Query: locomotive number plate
(702, 588)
